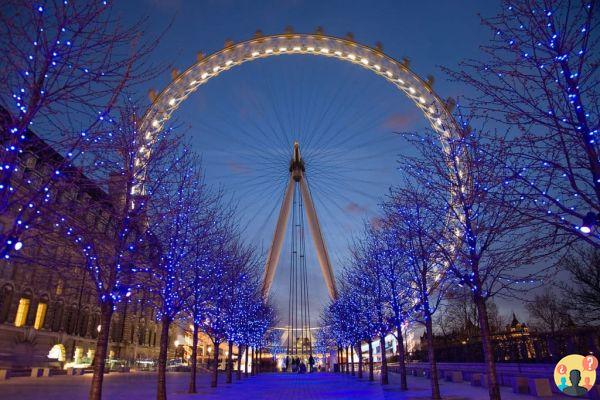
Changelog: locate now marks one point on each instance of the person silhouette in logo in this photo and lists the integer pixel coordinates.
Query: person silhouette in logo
(563, 383)
(575, 389)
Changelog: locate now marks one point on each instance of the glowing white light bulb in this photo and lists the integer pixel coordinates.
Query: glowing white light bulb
(18, 246)
(364, 61)
(351, 56)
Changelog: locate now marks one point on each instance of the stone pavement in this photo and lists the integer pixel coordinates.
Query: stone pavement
(138, 386)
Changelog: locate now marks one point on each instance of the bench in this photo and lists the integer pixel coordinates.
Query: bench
(74, 371)
(40, 372)
(520, 385)
(456, 376)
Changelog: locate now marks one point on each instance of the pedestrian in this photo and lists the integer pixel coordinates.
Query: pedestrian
(311, 363)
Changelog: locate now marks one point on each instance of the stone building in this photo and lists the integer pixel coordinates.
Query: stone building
(49, 314)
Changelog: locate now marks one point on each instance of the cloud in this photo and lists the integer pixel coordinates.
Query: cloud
(354, 208)
(400, 121)
(238, 168)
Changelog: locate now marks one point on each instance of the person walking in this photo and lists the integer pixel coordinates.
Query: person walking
(311, 363)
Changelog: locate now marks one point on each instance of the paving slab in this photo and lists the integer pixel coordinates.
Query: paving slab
(267, 386)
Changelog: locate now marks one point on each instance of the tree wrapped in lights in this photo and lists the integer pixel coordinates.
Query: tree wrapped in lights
(207, 241)
(373, 283)
(485, 245)
(65, 66)
(115, 242)
(539, 79)
(416, 233)
(389, 255)
(175, 217)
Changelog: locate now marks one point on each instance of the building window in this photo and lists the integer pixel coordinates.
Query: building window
(59, 287)
(22, 312)
(40, 315)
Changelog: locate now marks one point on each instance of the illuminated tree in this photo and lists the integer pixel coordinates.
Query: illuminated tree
(115, 242)
(207, 240)
(389, 255)
(482, 242)
(423, 270)
(175, 217)
(64, 67)
(538, 78)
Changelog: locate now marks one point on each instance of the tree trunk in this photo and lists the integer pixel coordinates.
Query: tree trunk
(192, 388)
(253, 366)
(352, 360)
(106, 310)
(384, 370)
(360, 361)
(215, 374)
(401, 358)
(238, 373)
(339, 354)
(246, 361)
(346, 361)
(371, 378)
(161, 392)
(230, 363)
(488, 351)
(258, 360)
(433, 373)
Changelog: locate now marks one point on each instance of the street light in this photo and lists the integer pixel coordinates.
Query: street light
(588, 222)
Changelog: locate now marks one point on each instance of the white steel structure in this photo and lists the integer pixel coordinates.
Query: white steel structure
(434, 109)
(297, 176)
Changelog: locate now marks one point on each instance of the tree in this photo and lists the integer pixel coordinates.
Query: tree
(368, 279)
(175, 217)
(539, 79)
(116, 250)
(487, 246)
(582, 294)
(65, 65)
(389, 255)
(424, 272)
(206, 240)
(547, 312)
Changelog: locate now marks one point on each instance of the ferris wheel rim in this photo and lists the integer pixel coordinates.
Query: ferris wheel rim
(167, 101)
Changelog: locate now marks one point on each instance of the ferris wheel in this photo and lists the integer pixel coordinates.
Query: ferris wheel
(251, 124)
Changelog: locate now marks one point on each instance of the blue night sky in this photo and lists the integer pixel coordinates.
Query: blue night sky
(244, 122)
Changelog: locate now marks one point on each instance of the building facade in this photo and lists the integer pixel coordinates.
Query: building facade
(49, 313)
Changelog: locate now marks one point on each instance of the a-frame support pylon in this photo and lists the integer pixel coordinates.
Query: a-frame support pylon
(297, 175)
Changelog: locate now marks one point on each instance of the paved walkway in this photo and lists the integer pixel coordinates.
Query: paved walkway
(138, 386)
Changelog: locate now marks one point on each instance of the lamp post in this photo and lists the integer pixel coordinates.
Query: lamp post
(588, 222)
